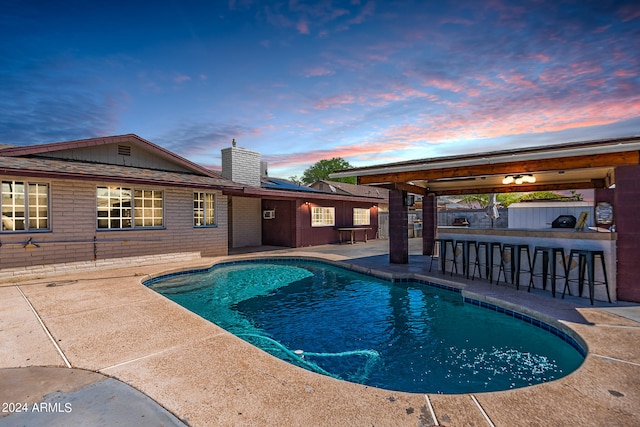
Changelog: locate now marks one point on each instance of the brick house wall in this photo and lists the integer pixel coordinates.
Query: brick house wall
(72, 221)
(241, 165)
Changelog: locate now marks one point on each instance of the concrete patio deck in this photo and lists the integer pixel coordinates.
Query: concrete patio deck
(113, 330)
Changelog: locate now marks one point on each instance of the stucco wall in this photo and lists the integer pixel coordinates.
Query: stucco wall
(292, 224)
(73, 229)
(246, 226)
(279, 231)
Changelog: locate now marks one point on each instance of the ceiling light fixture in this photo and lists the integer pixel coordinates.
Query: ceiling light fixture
(519, 179)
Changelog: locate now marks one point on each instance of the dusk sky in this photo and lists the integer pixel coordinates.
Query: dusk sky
(301, 81)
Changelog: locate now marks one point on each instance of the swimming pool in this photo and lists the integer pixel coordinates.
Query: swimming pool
(406, 336)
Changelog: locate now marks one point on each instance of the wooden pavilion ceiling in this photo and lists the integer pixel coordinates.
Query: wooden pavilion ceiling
(562, 167)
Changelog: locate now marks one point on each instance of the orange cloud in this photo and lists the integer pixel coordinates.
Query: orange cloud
(343, 151)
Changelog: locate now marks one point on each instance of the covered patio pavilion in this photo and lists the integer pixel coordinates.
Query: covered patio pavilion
(610, 167)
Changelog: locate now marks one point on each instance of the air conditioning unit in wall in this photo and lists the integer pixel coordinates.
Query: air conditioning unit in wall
(269, 214)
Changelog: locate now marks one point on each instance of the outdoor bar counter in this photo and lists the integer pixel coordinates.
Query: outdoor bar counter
(552, 237)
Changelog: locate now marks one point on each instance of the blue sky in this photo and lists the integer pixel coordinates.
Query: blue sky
(300, 81)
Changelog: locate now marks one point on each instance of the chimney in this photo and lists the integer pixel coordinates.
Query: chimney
(241, 165)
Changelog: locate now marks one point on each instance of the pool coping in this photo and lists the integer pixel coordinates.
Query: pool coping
(103, 325)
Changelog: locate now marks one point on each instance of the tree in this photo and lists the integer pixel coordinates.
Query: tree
(295, 180)
(473, 201)
(505, 199)
(323, 168)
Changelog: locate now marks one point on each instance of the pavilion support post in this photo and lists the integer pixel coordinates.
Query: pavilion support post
(398, 227)
(429, 223)
(625, 213)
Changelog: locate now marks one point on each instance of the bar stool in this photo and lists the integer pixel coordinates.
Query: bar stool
(493, 246)
(441, 246)
(586, 260)
(515, 252)
(549, 254)
(464, 246)
(478, 265)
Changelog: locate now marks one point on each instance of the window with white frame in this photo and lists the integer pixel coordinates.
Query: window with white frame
(127, 208)
(147, 208)
(24, 206)
(361, 216)
(323, 216)
(204, 209)
(114, 208)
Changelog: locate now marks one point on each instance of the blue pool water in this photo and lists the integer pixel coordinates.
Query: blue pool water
(400, 336)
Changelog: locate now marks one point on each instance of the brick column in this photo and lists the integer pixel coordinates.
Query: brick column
(398, 228)
(625, 212)
(429, 223)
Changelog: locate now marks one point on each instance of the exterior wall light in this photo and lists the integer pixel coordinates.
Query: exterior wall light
(519, 179)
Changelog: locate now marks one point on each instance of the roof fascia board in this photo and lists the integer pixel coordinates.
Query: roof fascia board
(284, 194)
(607, 160)
(487, 159)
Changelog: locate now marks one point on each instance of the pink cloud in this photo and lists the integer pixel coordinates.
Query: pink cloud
(444, 84)
(343, 151)
(303, 27)
(377, 58)
(498, 117)
(456, 20)
(541, 57)
(334, 101)
(317, 72)
(570, 73)
(366, 12)
(629, 12)
(513, 119)
(403, 94)
(624, 73)
(180, 78)
(519, 80)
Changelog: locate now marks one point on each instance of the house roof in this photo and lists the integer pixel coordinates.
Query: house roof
(280, 194)
(282, 189)
(283, 184)
(65, 169)
(38, 161)
(576, 165)
(355, 190)
(42, 150)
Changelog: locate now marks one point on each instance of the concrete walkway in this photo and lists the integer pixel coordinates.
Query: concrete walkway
(50, 397)
(139, 358)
